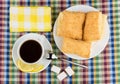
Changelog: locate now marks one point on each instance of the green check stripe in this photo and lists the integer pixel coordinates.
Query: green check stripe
(117, 40)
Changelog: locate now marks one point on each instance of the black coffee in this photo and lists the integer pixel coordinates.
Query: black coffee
(30, 51)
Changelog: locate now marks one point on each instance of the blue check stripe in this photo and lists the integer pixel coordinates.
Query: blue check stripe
(27, 76)
(48, 2)
(112, 63)
(91, 71)
(70, 78)
(28, 2)
(48, 75)
(7, 42)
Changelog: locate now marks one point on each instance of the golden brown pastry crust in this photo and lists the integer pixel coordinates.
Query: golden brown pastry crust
(70, 24)
(104, 20)
(77, 47)
(92, 29)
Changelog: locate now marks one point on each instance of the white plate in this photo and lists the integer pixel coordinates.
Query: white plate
(96, 48)
(46, 45)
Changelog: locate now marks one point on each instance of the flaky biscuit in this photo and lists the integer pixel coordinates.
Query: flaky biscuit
(70, 24)
(104, 20)
(93, 24)
(77, 47)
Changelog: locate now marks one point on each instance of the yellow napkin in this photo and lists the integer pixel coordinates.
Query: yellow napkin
(30, 19)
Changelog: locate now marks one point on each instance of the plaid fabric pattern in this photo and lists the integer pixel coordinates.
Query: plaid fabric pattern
(30, 19)
(103, 69)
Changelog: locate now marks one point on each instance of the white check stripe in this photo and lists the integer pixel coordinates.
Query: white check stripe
(27, 25)
(27, 11)
(40, 12)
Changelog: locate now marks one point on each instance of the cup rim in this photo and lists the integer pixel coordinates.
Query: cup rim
(25, 40)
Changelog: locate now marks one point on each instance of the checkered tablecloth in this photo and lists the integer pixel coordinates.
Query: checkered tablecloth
(103, 69)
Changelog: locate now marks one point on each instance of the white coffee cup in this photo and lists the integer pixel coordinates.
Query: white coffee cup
(31, 38)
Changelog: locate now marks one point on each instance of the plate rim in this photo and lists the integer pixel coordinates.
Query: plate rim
(80, 58)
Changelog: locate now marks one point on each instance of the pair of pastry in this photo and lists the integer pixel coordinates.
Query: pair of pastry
(78, 30)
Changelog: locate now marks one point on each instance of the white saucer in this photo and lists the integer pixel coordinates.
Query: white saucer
(46, 45)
